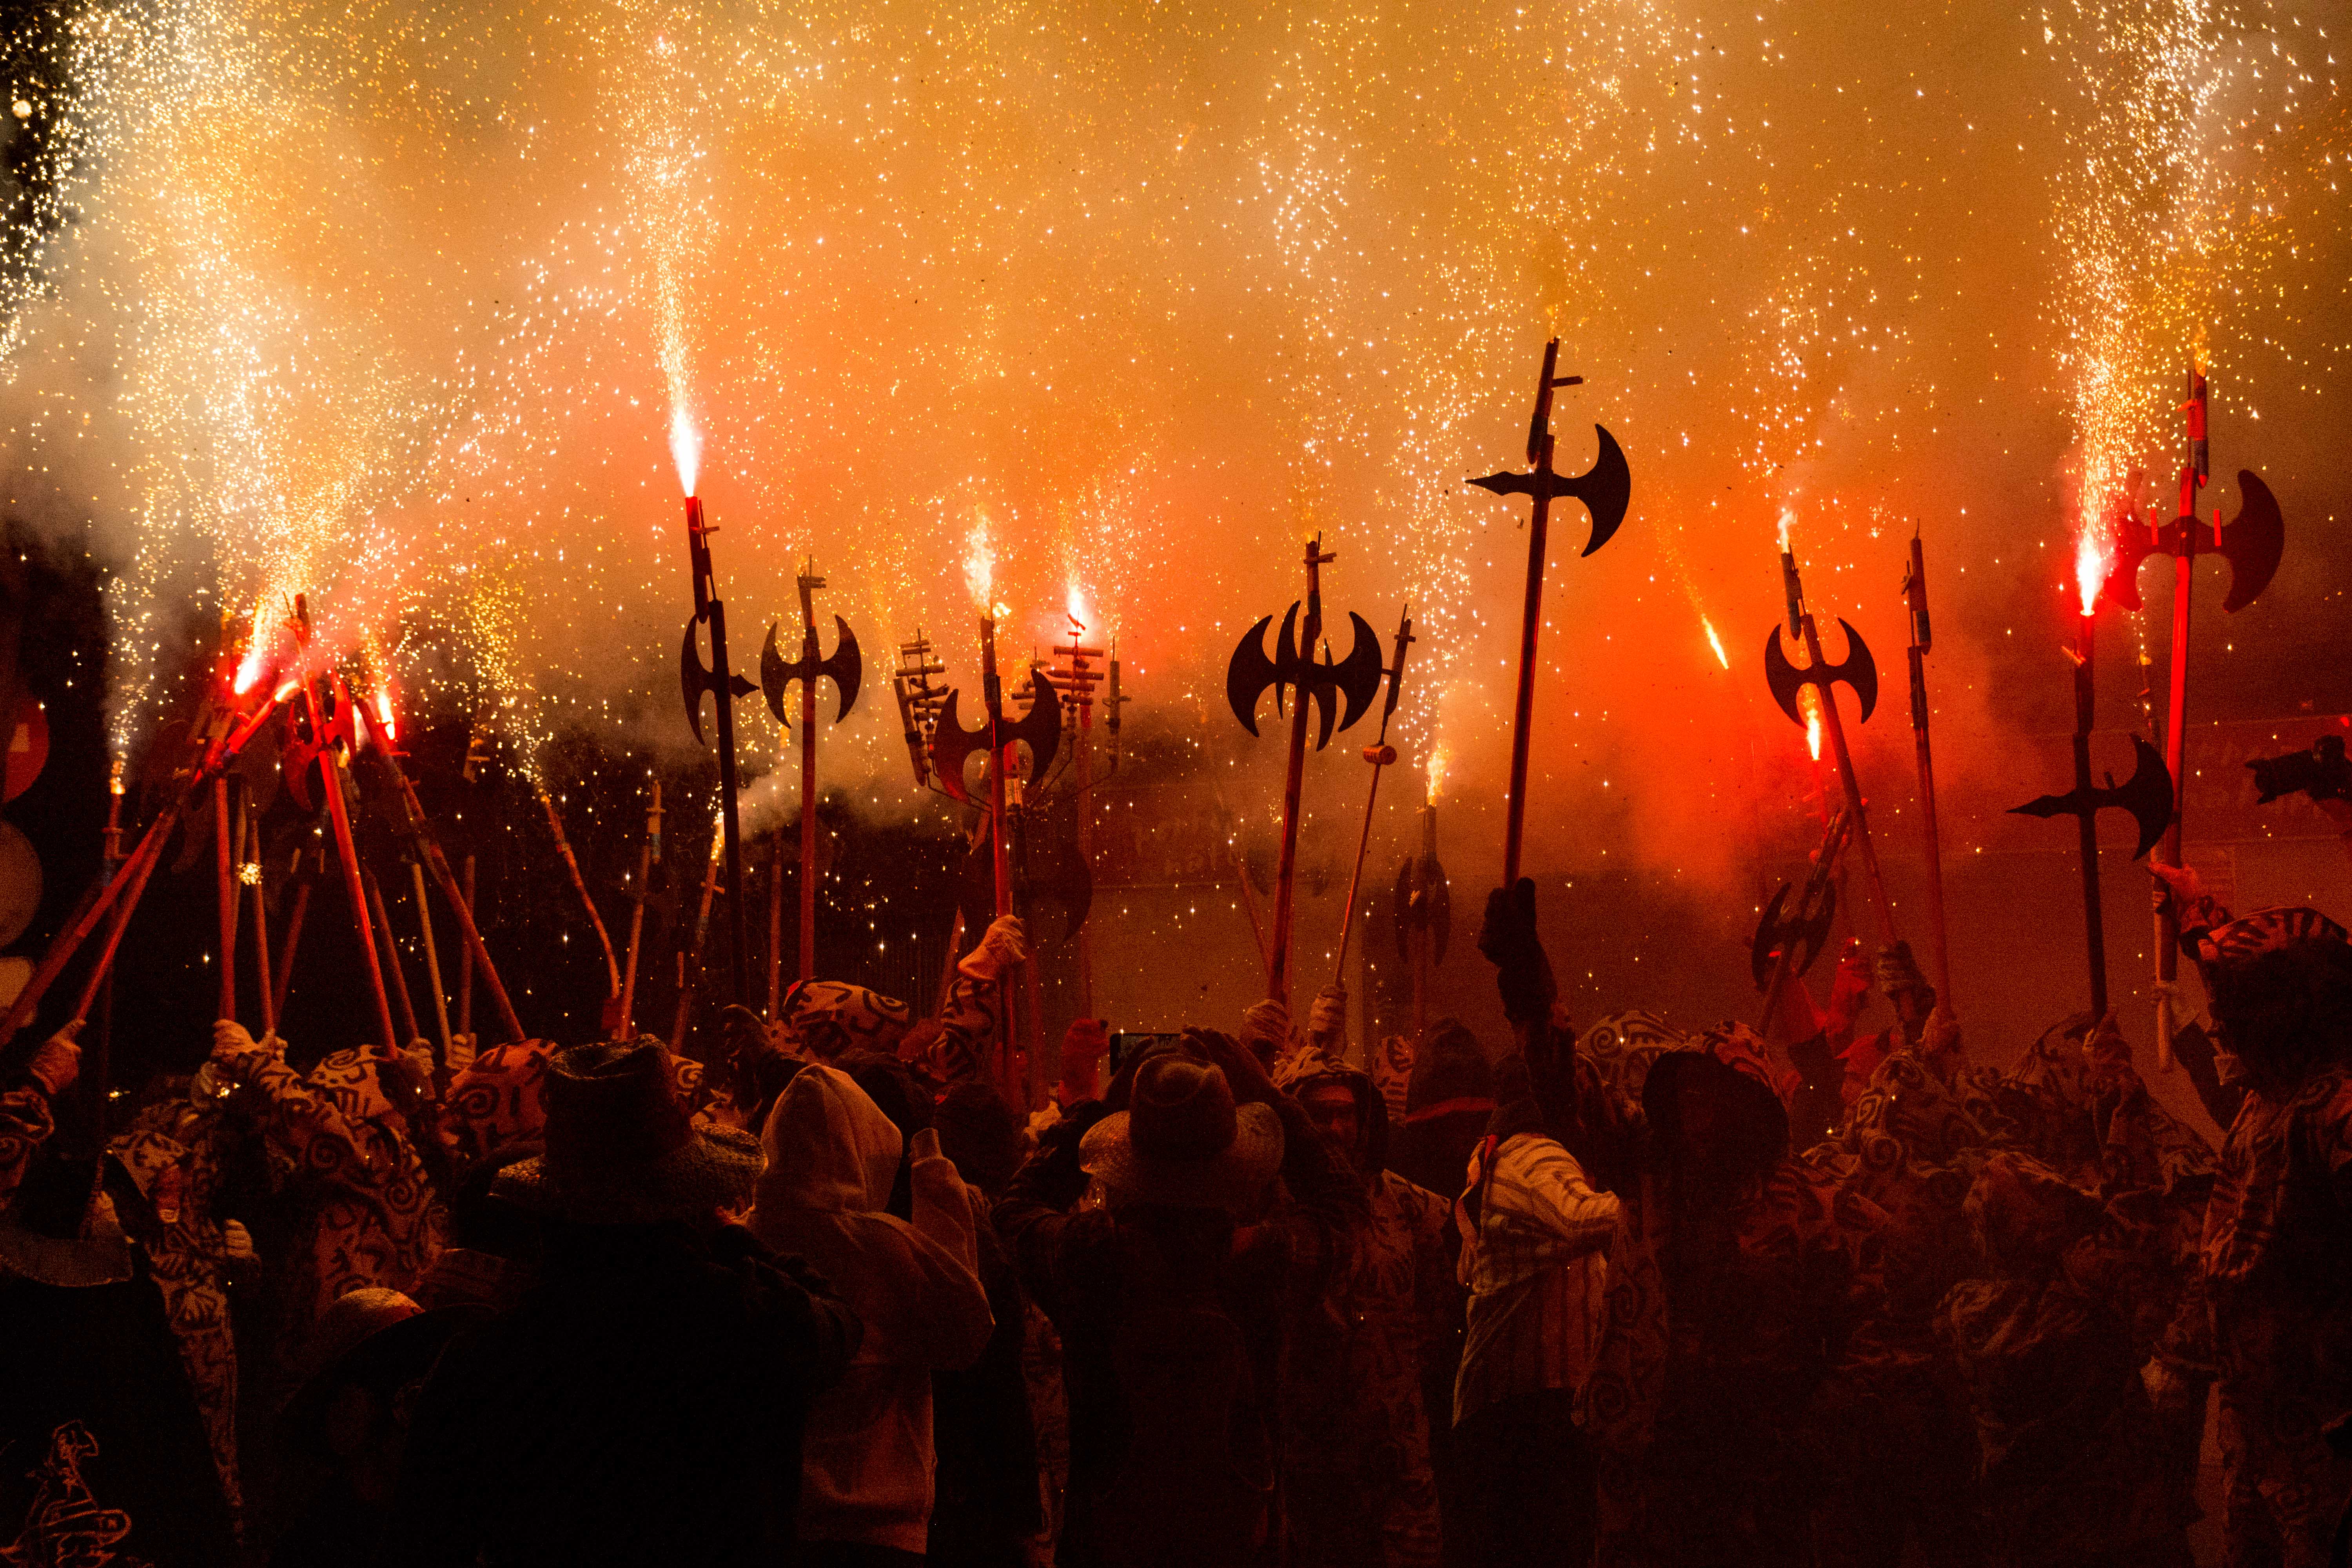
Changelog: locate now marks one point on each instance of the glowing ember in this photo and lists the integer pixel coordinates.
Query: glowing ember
(685, 448)
(2094, 558)
(1715, 643)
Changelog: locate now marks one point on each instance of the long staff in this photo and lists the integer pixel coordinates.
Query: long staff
(1380, 754)
(437, 863)
(1293, 783)
(647, 855)
(1914, 595)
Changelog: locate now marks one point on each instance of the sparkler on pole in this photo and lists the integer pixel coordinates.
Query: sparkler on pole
(718, 679)
(329, 745)
(225, 879)
(250, 871)
(1424, 912)
(2253, 546)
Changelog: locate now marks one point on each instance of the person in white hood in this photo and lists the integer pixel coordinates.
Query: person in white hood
(866, 1464)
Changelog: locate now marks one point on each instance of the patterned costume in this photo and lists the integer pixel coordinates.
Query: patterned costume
(338, 1136)
(826, 1019)
(2276, 1252)
(500, 1097)
(173, 1153)
(1356, 1455)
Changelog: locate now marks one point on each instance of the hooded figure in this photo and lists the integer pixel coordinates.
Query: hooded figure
(2074, 1467)
(1361, 1484)
(643, 1403)
(1447, 1099)
(832, 1157)
(2277, 1265)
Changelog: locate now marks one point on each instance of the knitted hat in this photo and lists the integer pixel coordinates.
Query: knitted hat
(1450, 1074)
(620, 1149)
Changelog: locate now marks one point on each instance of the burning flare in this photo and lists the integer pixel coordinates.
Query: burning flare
(2094, 558)
(685, 447)
(1715, 642)
(1439, 760)
(1076, 604)
(1807, 698)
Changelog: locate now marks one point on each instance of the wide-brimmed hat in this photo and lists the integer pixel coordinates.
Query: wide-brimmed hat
(1182, 1141)
(371, 1336)
(620, 1147)
(59, 1231)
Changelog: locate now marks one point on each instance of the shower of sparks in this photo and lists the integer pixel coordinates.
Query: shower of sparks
(1435, 765)
(397, 309)
(2094, 558)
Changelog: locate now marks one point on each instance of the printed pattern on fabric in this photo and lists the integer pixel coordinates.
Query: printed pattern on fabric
(337, 1136)
(499, 1099)
(65, 1527)
(25, 1125)
(2277, 1274)
(172, 1155)
(1358, 1446)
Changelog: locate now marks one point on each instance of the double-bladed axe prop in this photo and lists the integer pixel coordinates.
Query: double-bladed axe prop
(776, 675)
(1915, 599)
(2253, 546)
(1319, 683)
(2146, 795)
(1858, 670)
(1604, 488)
(1786, 942)
(694, 681)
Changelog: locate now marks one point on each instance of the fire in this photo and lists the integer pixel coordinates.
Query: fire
(685, 447)
(383, 717)
(2094, 557)
(980, 566)
(1439, 760)
(1808, 699)
(250, 667)
(1715, 643)
(1788, 520)
(1076, 604)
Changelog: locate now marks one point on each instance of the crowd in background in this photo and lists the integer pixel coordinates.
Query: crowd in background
(1604, 1292)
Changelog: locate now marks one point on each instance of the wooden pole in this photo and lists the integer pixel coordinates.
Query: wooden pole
(438, 864)
(260, 930)
(1914, 590)
(808, 826)
(432, 950)
(580, 886)
(1294, 781)
(645, 856)
(1835, 728)
(294, 920)
(2095, 924)
(465, 958)
(224, 883)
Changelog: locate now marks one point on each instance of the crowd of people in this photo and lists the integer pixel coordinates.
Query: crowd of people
(1606, 1292)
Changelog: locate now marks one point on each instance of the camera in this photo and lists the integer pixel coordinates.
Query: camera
(2321, 773)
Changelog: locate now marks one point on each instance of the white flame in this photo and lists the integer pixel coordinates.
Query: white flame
(980, 565)
(685, 448)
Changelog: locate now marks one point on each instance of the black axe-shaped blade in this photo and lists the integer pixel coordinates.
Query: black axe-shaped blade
(1803, 937)
(2252, 544)
(952, 744)
(1356, 677)
(695, 679)
(2146, 795)
(1604, 488)
(1859, 671)
(846, 667)
(1424, 902)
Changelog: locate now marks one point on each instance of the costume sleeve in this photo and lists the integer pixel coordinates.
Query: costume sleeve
(301, 1122)
(2192, 1047)
(951, 1305)
(25, 1125)
(971, 1020)
(1540, 1186)
(1392, 1074)
(1032, 1217)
